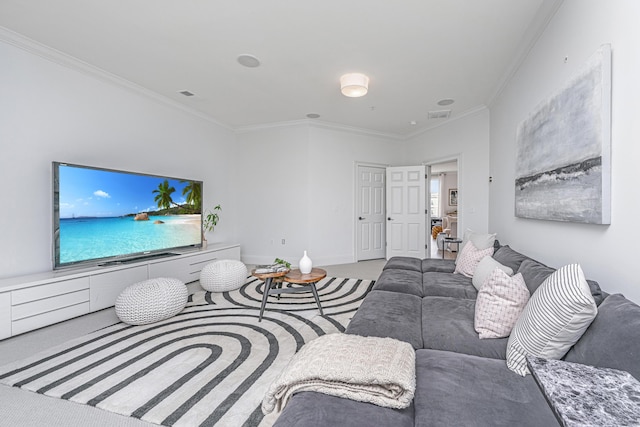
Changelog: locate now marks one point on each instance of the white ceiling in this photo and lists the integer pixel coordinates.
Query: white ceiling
(416, 52)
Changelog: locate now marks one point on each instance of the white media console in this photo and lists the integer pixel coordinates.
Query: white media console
(37, 300)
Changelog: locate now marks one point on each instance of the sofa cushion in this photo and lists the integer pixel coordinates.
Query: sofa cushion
(534, 273)
(461, 390)
(404, 263)
(598, 294)
(499, 304)
(485, 268)
(389, 314)
(507, 256)
(398, 280)
(447, 285)
(469, 258)
(310, 409)
(613, 339)
(447, 324)
(555, 318)
(438, 265)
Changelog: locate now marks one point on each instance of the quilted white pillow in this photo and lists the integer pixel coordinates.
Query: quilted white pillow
(469, 257)
(499, 304)
(555, 317)
(485, 268)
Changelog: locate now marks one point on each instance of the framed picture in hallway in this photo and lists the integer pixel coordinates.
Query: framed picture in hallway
(563, 150)
(453, 197)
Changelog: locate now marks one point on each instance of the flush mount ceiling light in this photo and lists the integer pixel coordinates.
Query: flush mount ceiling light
(354, 85)
(249, 61)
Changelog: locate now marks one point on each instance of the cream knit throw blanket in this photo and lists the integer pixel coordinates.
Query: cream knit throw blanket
(381, 371)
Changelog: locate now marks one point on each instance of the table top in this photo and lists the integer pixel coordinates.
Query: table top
(582, 395)
(453, 240)
(296, 276)
(263, 276)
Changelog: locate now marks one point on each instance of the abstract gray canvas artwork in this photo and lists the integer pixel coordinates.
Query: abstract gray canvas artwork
(563, 157)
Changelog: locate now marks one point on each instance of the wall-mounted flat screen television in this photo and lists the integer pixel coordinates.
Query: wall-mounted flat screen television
(104, 216)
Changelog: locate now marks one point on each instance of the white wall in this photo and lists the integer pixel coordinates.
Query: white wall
(606, 253)
(468, 139)
(51, 112)
(297, 183)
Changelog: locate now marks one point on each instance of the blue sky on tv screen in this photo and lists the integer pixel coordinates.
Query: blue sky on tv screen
(99, 193)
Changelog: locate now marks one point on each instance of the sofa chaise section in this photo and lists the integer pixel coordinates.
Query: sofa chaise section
(456, 389)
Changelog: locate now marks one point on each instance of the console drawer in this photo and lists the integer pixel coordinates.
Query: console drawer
(41, 306)
(45, 319)
(35, 293)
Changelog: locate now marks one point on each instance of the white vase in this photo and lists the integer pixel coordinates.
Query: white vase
(305, 264)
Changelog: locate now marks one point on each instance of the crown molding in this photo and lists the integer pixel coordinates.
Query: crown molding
(454, 119)
(314, 123)
(28, 45)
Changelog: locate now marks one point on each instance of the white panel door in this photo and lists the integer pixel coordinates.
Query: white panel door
(370, 220)
(406, 222)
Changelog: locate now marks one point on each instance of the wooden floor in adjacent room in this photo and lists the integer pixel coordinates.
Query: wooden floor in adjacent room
(437, 253)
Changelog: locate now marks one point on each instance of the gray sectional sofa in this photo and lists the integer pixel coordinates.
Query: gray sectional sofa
(462, 380)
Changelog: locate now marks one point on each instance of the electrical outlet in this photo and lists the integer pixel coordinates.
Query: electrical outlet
(283, 241)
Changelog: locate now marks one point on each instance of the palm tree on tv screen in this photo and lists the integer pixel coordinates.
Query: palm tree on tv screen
(163, 195)
(193, 193)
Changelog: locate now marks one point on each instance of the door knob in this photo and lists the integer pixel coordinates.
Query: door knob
(360, 218)
(389, 219)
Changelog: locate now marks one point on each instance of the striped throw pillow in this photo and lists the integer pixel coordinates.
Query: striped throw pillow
(555, 317)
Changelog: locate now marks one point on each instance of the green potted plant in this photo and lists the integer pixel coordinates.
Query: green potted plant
(210, 221)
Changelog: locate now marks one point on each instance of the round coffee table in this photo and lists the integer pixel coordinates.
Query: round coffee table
(293, 276)
(268, 281)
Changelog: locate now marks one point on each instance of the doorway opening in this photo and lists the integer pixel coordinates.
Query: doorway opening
(443, 194)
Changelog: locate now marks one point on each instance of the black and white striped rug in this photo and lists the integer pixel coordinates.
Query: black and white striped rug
(209, 365)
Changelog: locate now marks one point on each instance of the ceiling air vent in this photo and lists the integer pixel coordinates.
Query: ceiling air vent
(186, 93)
(440, 114)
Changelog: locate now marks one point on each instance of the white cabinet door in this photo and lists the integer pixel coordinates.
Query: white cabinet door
(106, 287)
(406, 211)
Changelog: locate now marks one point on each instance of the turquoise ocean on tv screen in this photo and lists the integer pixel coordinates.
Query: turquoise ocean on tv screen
(90, 238)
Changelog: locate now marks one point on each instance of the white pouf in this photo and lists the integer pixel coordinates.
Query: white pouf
(223, 275)
(151, 300)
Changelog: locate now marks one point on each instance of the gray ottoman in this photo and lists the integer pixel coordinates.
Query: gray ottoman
(223, 275)
(151, 300)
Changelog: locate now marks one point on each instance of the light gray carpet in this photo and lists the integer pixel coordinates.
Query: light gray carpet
(210, 365)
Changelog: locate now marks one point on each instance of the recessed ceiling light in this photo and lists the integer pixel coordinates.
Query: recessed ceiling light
(313, 115)
(444, 102)
(186, 93)
(248, 61)
(413, 123)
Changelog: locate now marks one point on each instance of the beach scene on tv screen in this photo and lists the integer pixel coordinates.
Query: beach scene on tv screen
(107, 213)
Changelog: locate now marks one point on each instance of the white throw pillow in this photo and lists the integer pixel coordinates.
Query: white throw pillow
(485, 268)
(469, 257)
(480, 240)
(555, 317)
(499, 304)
